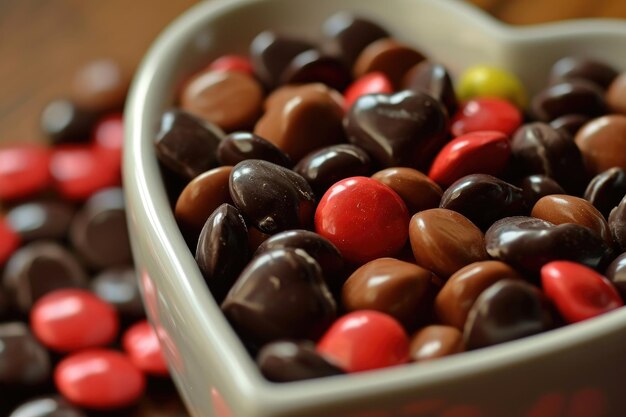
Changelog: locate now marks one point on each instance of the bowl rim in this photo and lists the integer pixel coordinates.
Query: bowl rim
(144, 201)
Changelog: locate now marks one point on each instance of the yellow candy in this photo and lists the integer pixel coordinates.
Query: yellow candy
(485, 81)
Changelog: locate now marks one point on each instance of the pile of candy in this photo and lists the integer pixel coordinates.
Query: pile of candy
(73, 337)
(351, 210)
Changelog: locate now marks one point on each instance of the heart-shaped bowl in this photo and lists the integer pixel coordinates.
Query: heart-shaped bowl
(572, 371)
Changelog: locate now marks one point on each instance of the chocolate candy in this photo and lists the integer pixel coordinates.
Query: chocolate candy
(286, 361)
(537, 148)
(273, 198)
(41, 219)
(561, 209)
(118, 287)
(570, 123)
(394, 287)
(230, 100)
(615, 94)
(416, 190)
(23, 361)
(444, 241)
(574, 68)
(48, 406)
(222, 250)
(24, 171)
(507, 310)
(434, 342)
(527, 243)
(617, 224)
(388, 57)
(187, 144)
(313, 66)
(300, 119)
(569, 97)
(483, 199)
(275, 282)
(606, 190)
(326, 166)
(99, 232)
(486, 114)
(433, 79)
(616, 273)
(39, 268)
(402, 129)
(486, 81)
(601, 142)
(239, 146)
(63, 122)
(101, 86)
(536, 186)
(271, 53)
(460, 292)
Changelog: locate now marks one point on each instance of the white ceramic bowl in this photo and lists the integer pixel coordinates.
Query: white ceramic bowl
(582, 365)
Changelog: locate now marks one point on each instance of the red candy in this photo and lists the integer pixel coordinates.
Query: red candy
(232, 63)
(9, 241)
(72, 319)
(473, 153)
(109, 135)
(578, 292)
(99, 379)
(372, 83)
(486, 114)
(144, 350)
(364, 218)
(23, 170)
(365, 340)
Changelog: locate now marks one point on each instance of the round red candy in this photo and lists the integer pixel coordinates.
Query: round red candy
(99, 379)
(372, 83)
(473, 153)
(9, 241)
(486, 113)
(232, 63)
(23, 170)
(365, 340)
(108, 135)
(363, 218)
(144, 350)
(72, 319)
(578, 292)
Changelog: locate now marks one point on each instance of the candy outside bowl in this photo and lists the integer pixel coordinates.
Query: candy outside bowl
(575, 371)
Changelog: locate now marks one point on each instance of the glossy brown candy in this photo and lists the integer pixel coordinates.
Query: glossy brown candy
(602, 142)
(616, 273)
(23, 361)
(41, 219)
(434, 342)
(286, 361)
(388, 57)
(527, 243)
(570, 123)
(560, 209)
(433, 79)
(4, 303)
(201, 197)
(300, 119)
(280, 295)
(324, 167)
(313, 66)
(48, 406)
(187, 144)
(444, 241)
(483, 199)
(508, 310)
(397, 288)
(415, 188)
(456, 298)
(239, 146)
(402, 129)
(569, 97)
(222, 250)
(64, 122)
(606, 190)
(273, 198)
(574, 68)
(538, 148)
(616, 94)
(348, 35)
(536, 186)
(39, 268)
(101, 86)
(617, 224)
(118, 286)
(271, 53)
(230, 99)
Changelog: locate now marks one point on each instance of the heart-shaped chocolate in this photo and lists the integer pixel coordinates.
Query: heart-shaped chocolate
(402, 129)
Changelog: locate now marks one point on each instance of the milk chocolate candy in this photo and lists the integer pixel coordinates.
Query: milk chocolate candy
(239, 146)
(602, 142)
(101, 86)
(48, 406)
(606, 190)
(64, 122)
(388, 57)
(569, 97)
(416, 190)
(436, 341)
(23, 361)
(616, 94)
(575, 68)
(41, 219)
(118, 286)
(433, 79)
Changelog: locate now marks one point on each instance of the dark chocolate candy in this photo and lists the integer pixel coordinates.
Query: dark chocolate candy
(313, 66)
(508, 310)
(483, 199)
(286, 361)
(280, 295)
(273, 198)
(48, 406)
(239, 146)
(536, 186)
(23, 361)
(570, 123)
(222, 250)
(63, 122)
(402, 129)
(41, 219)
(575, 68)
(433, 79)
(187, 144)
(324, 167)
(617, 224)
(616, 273)
(5, 305)
(569, 97)
(606, 190)
(118, 286)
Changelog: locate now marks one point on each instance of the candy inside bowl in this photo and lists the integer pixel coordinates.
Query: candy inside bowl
(213, 368)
